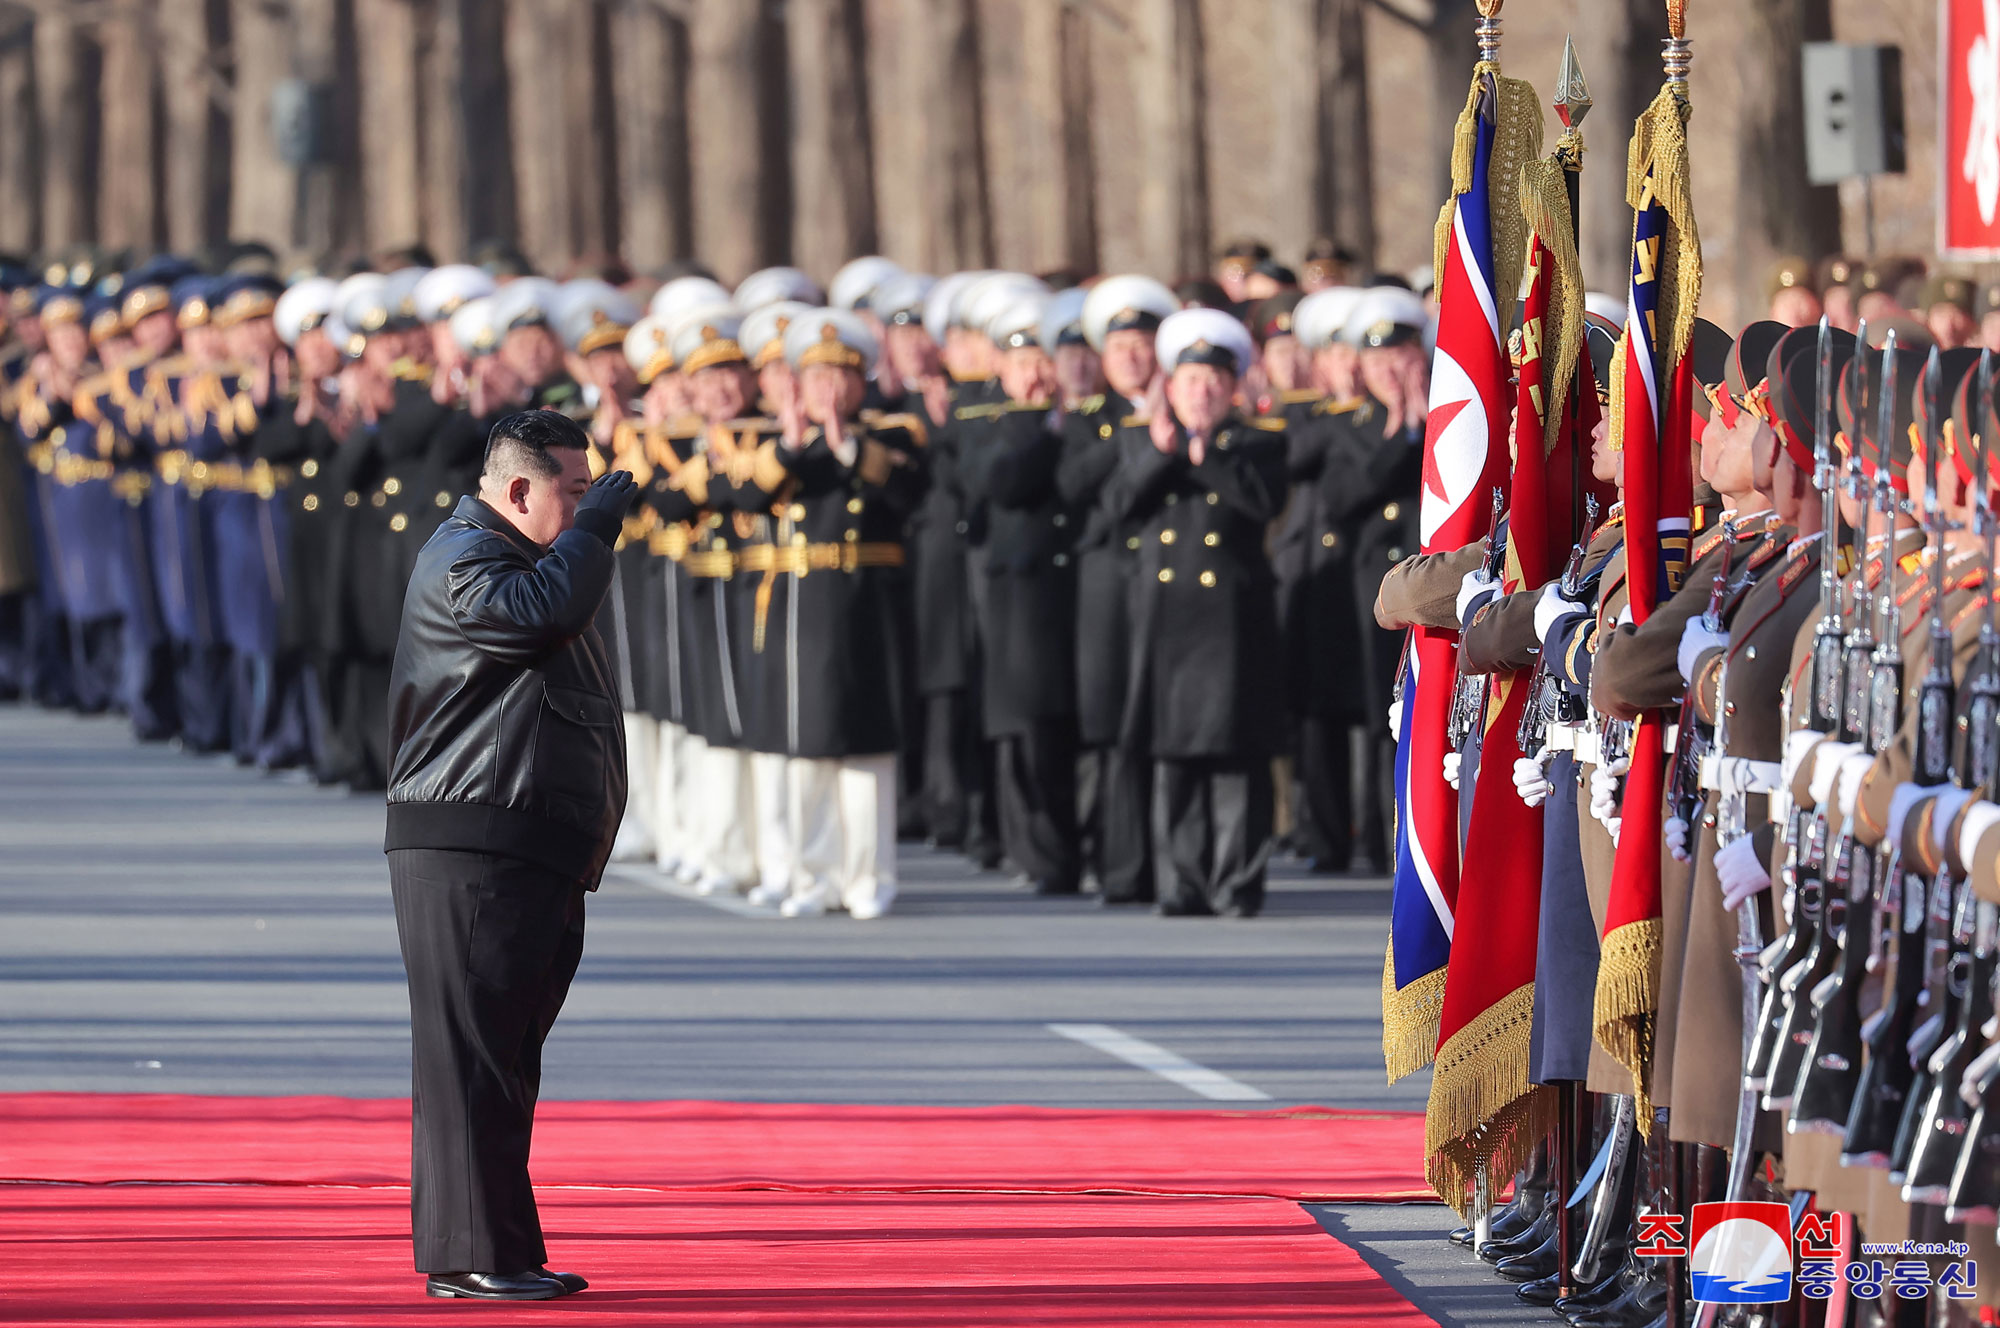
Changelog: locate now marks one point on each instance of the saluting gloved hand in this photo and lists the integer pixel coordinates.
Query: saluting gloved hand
(601, 511)
(1739, 871)
(1695, 638)
(1396, 718)
(1474, 589)
(1531, 781)
(1675, 832)
(1452, 761)
(1826, 760)
(1552, 608)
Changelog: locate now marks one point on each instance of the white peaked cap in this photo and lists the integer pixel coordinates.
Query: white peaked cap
(1126, 299)
(445, 288)
(1192, 328)
(684, 293)
(858, 280)
(304, 305)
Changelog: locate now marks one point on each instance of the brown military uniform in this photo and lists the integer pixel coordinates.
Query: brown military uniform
(1422, 590)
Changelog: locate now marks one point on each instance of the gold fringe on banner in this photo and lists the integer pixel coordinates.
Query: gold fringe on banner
(1659, 154)
(1482, 1105)
(1517, 140)
(1409, 1019)
(1627, 1002)
(1545, 206)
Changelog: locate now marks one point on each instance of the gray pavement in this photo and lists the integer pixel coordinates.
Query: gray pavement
(175, 924)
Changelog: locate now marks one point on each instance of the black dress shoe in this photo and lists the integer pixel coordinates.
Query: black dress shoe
(572, 1282)
(1522, 1241)
(1608, 1289)
(1542, 1291)
(527, 1285)
(1049, 885)
(1461, 1236)
(1635, 1309)
(1537, 1263)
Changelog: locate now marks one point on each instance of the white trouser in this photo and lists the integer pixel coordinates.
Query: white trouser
(844, 814)
(673, 781)
(638, 830)
(777, 854)
(725, 799)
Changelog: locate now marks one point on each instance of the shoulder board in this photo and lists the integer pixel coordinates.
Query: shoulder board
(1910, 562)
(1977, 605)
(911, 424)
(1090, 405)
(1268, 423)
(1794, 572)
(1329, 406)
(1298, 396)
(1134, 422)
(1011, 407)
(758, 422)
(984, 411)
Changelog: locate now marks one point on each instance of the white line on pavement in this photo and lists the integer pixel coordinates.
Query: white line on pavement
(1158, 1060)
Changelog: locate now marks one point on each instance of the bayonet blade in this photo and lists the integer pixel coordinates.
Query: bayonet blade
(1572, 93)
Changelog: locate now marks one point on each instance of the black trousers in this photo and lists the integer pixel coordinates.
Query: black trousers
(1326, 777)
(1035, 772)
(490, 945)
(1211, 833)
(1115, 797)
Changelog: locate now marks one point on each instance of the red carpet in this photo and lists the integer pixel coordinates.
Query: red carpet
(704, 1213)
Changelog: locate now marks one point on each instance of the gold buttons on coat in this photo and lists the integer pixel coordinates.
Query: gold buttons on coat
(1208, 580)
(311, 504)
(1166, 575)
(351, 498)
(797, 512)
(399, 523)
(1396, 554)
(1391, 511)
(1211, 539)
(1132, 543)
(379, 499)
(1329, 539)
(1103, 431)
(309, 468)
(392, 486)
(1167, 537)
(443, 499)
(1214, 498)
(854, 506)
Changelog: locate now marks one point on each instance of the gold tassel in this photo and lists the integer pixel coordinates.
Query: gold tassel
(1545, 205)
(1517, 140)
(1409, 1019)
(1482, 1105)
(1627, 1002)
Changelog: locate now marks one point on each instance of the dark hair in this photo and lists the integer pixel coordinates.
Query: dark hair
(521, 442)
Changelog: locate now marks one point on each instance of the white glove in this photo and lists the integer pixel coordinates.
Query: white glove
(1979, 1067)
(1452, 760)
(1695, 638)
(1604, 790)
(1950, 798)
(1826, 767)
(1901, 803)
(1396, 718)
(1982, 816)
(1852, 771)
(1552, 608)
(1675, 831)
(1739, 871)
(1474, 589)
(1799, 744)
(1531, 781)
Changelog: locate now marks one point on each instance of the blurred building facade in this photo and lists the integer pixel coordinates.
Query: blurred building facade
(1038, 134)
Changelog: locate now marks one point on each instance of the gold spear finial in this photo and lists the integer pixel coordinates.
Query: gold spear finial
(1679, 53)
(1572, 95)
(1488, 31)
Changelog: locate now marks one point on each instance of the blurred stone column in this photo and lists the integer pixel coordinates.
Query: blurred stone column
(487, 176)
(66, 92)
(260, 202)
(833, 215)
(194, 161)
(128, 211)
(20, 137)
(1778, 213)
(1171, 89)
(739, 163)
(649, 54)
(386, 39)
(441, 127)
(955, 158)
(1347, 137)
(1077, 153)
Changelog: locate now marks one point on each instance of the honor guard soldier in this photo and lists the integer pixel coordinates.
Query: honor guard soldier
(838, 541)
(527, 369)
(1121, 319)
(1204, 695)
(442, 292)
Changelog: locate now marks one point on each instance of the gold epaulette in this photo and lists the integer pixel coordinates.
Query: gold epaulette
(407, 370)
(1298, 396)
(1013, 407)
(1268, 423)
(1135, 422)
(1090, 405)
(911, 424)
(766, 471)
(984, 411)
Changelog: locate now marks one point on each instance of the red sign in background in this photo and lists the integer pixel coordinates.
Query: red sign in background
(1969, 123)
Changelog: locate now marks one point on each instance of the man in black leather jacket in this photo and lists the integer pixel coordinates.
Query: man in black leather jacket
(506, 787)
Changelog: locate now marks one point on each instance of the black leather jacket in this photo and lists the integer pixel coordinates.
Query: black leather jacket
(503, 709)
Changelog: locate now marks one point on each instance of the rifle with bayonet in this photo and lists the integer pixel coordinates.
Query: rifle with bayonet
(1546, 699)
(1844, 861)
(1468, 696)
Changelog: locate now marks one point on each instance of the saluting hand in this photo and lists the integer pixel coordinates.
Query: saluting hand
(602, 509)
(1165, 429)
(937, 399)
